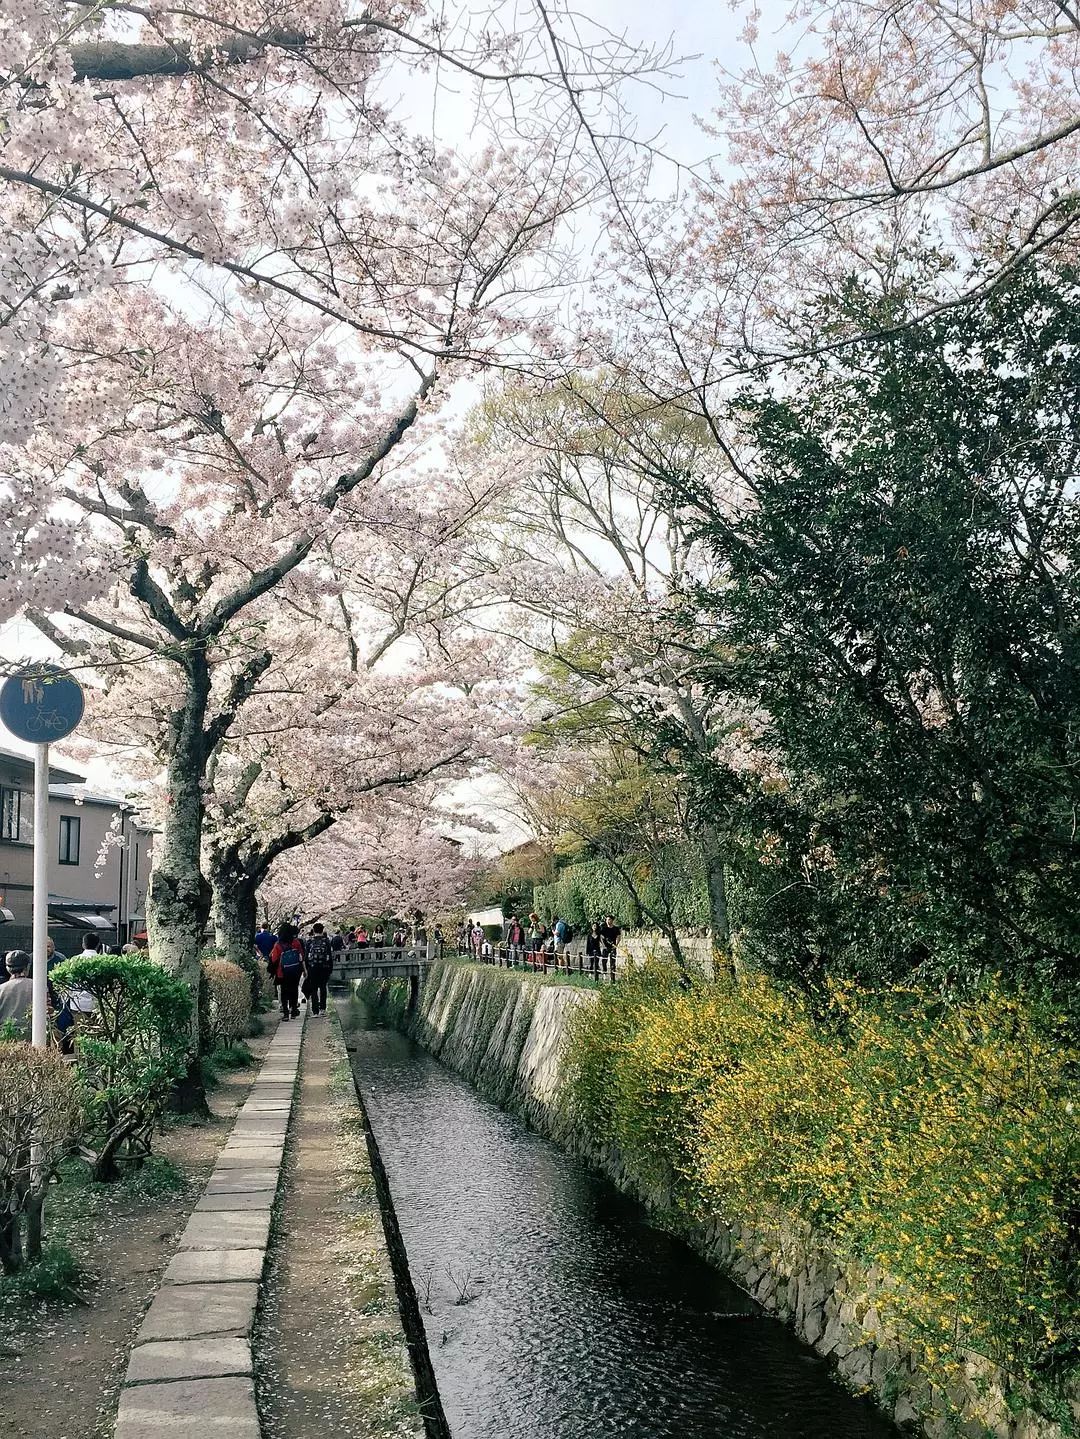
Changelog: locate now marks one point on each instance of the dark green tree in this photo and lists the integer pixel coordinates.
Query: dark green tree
(902, 606)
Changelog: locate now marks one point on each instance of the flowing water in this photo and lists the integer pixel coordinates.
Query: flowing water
(553, 1308)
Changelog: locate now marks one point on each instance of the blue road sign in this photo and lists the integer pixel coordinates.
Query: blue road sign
(41, 707)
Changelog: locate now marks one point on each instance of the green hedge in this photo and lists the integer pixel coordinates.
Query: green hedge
(592, 888)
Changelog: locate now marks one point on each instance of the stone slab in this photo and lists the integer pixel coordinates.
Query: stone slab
(255, 1139)
(215, 1266)
(186, 1311)
(250, 1202)
(227, 1231)
(249, 1156)
(169, 1359)
(245, 1180)
(189, 1409)
(260, 1126)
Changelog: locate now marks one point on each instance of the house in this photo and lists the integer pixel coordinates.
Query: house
(99, 859)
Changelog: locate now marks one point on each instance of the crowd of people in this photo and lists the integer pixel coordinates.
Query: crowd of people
(300, 965)
(539, 945)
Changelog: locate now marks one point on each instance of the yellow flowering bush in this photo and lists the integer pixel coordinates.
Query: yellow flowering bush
(935, 1141)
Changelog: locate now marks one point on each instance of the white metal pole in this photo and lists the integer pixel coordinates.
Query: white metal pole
(39, 1026)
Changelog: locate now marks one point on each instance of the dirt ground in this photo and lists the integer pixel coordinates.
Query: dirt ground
(330, 1354)
(62, 1362)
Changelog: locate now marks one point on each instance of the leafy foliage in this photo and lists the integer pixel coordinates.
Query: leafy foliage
(669, 878)
(39, 1105)
(901, 595)
(131, 1050)
(937, 1142)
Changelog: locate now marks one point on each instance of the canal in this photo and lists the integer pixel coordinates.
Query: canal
(553, 1308)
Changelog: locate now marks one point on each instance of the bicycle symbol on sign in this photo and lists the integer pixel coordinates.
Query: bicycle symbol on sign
(46, 722)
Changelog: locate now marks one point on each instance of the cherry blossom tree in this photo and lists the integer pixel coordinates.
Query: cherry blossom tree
(218, 696)
(239, 289)
(318, 751)
(397, 855)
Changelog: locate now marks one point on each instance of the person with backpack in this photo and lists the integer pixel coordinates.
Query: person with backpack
(320, 966)
(288, 958)
(561, 932)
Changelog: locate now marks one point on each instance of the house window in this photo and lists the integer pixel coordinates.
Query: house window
(12, 826)
(136, 876)
(70, 826)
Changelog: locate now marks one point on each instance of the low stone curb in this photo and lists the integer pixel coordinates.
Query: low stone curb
(190, 1371)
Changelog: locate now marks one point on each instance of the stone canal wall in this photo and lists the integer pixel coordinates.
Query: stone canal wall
(506, 1033)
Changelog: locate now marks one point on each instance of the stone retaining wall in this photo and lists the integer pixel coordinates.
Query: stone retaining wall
(506, 1033)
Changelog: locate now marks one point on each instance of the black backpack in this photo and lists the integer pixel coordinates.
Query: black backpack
(320, 951)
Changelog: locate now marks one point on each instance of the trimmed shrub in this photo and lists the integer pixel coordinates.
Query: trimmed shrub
(228, 1003)
(39, 1104)
(131, 1051)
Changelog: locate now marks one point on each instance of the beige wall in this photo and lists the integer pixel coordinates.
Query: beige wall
(92, 885)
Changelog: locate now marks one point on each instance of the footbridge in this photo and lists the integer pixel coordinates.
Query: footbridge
(384, 962)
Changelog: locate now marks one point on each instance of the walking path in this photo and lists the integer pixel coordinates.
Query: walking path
(332, 1356)
(190, 1375)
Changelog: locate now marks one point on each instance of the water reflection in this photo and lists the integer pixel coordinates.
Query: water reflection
(554, 1310)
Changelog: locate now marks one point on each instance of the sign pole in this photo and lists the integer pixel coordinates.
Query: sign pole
(39, 1025)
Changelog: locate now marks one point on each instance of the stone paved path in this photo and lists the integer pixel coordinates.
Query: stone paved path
(190, 1371)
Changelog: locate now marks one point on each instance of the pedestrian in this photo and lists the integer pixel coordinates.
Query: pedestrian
(361, 937)
(288, 958)
(81, 1001)
(53, 957)
(17, 995)
(561, 934)
(476, 939)
(610, 933)
(515, 939)
(378, 937)
(337, 941)
(320, 966)
(437, 935)
(594, 947)
(265, 941)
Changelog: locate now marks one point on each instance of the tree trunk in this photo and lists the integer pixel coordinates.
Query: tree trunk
(712, 853)
(178, 898)
(233, 911)
(35, 1221)
(10, 1248)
